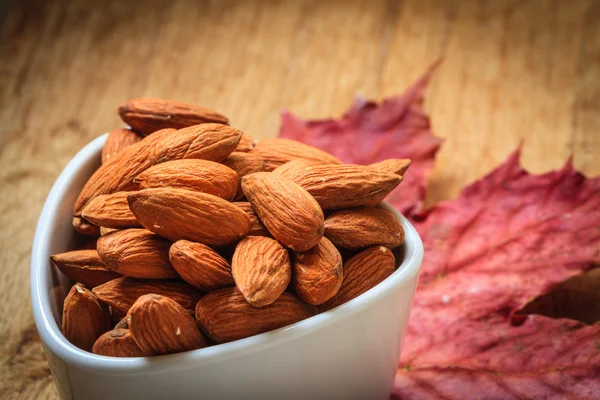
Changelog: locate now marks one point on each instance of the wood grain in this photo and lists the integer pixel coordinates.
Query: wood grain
(513, 72)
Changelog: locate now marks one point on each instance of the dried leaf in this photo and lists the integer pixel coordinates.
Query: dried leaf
(398, 127)
(507, 239)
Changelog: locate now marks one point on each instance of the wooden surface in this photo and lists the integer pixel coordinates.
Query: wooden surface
(513, 72)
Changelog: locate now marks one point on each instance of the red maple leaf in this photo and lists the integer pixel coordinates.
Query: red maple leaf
(507, 239)
(398, 127)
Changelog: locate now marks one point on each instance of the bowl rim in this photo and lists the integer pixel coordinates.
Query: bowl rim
(52, 337)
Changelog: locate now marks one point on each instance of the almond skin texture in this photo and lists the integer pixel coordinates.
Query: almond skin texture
(147, 115)
(257, 228)
(84, 319)
(317, 273)
(137, 253)
(118, 174)
(199, 175)
(261, 269)
(116, 141)
(110, 211)
(84, 266)
(246, 143)
(244, 164)
(161, 326)
(357, 228)
(276, 152)
(105, 231)
(84, 227)
(123, 323)
(290, 168)
(213, 142)
(345, 186)
(183, 214)
(396, 166)
(224, 315)
(288, 211)
(121, 293)
(362, 272)
(200, 266)
(117, 343)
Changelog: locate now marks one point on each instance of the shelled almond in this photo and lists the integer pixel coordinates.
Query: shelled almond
(261, 269)
(160, 325)
(206, 232)
(117, 141)
(84, 318)
(84, 266)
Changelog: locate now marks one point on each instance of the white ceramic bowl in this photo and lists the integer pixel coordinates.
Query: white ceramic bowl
(350, 352)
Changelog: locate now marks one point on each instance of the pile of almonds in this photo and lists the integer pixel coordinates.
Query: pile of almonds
(201, 235)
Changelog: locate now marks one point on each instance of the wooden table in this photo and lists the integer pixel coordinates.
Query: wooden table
(513, 72)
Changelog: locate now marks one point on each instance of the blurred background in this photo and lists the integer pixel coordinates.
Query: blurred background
(513, 72)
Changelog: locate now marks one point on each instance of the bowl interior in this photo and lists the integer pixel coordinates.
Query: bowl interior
(54, 234)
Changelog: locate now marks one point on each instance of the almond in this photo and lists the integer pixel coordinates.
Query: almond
(261, 269)
(317, 273)
(110, 211)
(200, 266)
(393, 165)
(224, 315)
(199, 175)
(182, 214)
(84, 319)
(257, 228)
(118, 174)
(104, 230)
(276, 152)
(345, 186)
(246, 143)
(84, 266)
(290, 168)
(123, 323)
(121, 293)
(244, 164)
(213, 142)
(84, 227)
(161, 326)
(116, 141)
(137, 253)
(57, 296)
(361, 227)
(288, 211)
(117, 343)
(362, 272)
(147, 115)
